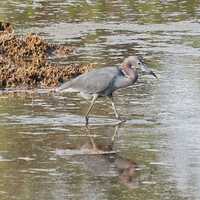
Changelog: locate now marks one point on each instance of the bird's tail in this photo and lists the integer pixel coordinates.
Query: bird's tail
(65, 87)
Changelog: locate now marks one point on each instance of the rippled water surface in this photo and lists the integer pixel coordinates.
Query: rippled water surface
(47, 153)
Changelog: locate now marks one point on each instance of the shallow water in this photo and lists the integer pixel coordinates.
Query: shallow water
(46, 152)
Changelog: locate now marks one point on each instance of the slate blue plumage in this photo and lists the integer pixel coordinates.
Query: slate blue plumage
(104, 81)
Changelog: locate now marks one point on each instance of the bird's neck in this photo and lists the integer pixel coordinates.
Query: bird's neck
(130, 73)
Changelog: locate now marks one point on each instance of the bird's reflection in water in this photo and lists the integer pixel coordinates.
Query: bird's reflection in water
(101, 148)
(100, 157)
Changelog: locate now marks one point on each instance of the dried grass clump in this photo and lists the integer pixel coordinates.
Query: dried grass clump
(24, 61)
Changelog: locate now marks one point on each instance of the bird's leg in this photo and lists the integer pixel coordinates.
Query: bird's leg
(90, 108)
(115, 132)
(114, 108)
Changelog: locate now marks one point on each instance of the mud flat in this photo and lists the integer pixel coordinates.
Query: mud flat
(25, 62)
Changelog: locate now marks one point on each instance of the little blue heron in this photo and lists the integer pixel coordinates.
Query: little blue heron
(104, 81)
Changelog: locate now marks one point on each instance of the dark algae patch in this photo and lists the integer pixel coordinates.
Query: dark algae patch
(24, 61)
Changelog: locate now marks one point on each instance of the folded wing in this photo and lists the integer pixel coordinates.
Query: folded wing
(93, 82)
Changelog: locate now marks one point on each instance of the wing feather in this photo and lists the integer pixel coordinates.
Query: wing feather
(94, 81)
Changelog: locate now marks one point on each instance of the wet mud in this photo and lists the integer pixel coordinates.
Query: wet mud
(26, 62)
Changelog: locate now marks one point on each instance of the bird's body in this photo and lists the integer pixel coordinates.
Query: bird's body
(104, 81)
(101, 82)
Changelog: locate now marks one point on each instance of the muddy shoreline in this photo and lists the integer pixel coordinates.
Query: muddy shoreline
(25, 62)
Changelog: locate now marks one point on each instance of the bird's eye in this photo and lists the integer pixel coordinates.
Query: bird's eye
(139, 63)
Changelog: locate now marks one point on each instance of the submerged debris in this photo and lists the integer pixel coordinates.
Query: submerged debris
(24, 61)
(6, 27)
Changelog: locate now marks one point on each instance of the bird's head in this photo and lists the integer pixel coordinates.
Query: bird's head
(137, 62)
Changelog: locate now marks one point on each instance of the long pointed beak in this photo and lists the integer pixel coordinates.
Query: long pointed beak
(153, 74)
(147, 71)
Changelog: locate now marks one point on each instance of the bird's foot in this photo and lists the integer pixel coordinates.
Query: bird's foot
(121, 119)
(86, 121)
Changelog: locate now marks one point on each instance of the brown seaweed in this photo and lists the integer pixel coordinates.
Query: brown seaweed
(24, 61)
